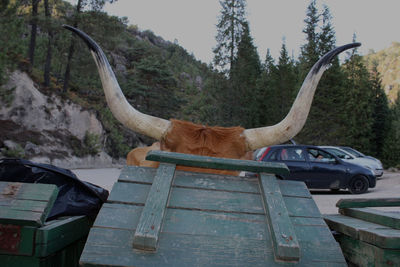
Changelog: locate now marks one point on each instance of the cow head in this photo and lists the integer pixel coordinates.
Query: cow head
(186, 137)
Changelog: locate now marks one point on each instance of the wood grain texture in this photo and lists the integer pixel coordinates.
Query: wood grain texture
(285, 243)
(150, 222)
(367, 202)
(26, 204)
(390, 219)
(217, 163)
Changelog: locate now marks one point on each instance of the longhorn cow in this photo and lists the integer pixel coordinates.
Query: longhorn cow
(186, 137)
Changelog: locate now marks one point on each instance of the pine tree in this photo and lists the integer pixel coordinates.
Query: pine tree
(229, 32)
(285, 83)
(245, 72)
(360, 103)
(391, 147)
(267, 99)
(381, 114)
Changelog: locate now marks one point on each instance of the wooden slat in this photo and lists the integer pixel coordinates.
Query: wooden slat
(110, 247)
(217, 163)
(285, 243)
(59, 234)
(350, 226)
(365, 202)
(193, 180)
(385, 218)
(150, 222)
(26, 204)
(363, 254)
(383, 238)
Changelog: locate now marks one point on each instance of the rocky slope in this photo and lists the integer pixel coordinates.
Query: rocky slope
(47, 129)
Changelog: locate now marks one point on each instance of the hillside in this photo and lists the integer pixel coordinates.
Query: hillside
(388, 64)
(158, 78)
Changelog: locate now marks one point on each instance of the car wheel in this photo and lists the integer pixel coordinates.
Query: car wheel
(358, 185)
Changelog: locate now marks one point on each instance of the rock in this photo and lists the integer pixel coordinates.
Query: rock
(31, 149)
(11, 145)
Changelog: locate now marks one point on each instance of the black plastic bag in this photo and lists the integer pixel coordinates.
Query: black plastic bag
(75, 197)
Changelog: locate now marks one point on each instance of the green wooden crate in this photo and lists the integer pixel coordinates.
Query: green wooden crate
(368, 237)
(163, 217)
(26, 239)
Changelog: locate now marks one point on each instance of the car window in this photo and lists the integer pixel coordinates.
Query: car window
(274, 154)
(317, 155)
(338, 153)
(293, 154)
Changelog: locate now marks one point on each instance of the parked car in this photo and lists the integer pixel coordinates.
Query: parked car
(369, 163)
(358, 154)
(320, 169)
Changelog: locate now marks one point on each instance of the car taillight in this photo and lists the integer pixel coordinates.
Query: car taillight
(265, 153)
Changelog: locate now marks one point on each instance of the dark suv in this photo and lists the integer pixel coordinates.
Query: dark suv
(320, 169)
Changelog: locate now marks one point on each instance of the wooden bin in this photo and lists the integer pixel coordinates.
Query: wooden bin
(368, 237)
(163, 217)
(26, 239)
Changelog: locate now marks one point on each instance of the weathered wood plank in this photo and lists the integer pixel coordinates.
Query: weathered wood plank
(59, 234)
(26, 204)
(107, 247)
(302, 207)
(350, 226)
(364, 254)
(385, 218)
(129, 193)
(209, 200)
(24, 235)
(217, 163)
(194, 180)
(285, 243)
(383, 238)
(150, 222)
(365, 202)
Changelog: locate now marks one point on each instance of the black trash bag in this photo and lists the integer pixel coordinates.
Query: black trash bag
(75, 197)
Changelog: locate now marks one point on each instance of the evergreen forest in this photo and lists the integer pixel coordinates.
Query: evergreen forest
(161, 78)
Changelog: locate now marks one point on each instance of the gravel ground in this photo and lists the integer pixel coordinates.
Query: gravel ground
(387, 186)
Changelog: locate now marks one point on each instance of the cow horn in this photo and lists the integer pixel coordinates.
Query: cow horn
(297, 116)
(119, 106)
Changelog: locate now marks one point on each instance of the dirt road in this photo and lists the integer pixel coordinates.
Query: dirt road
(387, 186)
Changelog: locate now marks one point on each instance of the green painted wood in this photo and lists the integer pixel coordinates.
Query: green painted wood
(364, 254)
(106, 246)
(190, 198)
(145, 175)
(122, 216)
(217, 163)
(365, 202)
(150, 222)
(383, 238)
(60, 233)
(25, 245)
(350, 226)
(131, 193)
(285, 243)
(390, 219)
(26, 204)
(376, 234)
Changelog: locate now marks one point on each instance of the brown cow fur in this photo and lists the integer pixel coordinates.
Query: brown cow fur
(137, 156)
(189, 138)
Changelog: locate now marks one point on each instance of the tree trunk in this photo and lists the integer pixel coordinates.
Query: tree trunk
(47, 66)
(31, 51)
(71, 49)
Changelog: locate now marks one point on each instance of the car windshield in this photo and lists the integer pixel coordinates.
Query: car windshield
(317, 155)
(353, 152)
(338, 153)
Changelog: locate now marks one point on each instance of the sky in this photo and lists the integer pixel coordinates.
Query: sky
(193, 22)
